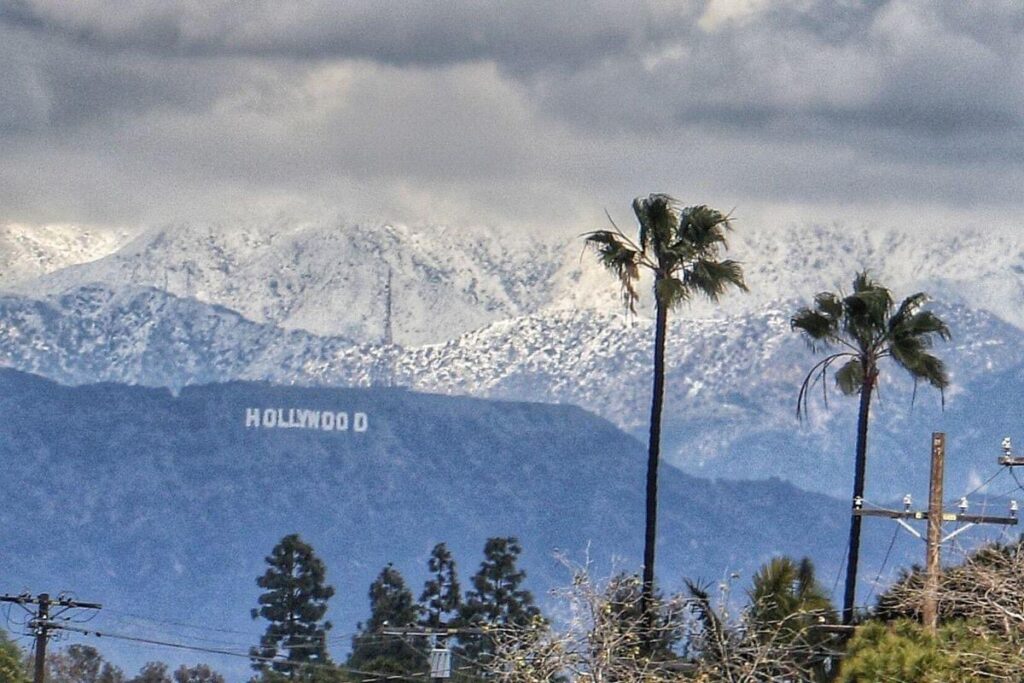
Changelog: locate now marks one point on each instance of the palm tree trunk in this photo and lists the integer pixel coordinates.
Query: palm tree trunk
(653, 455)
(860, 467)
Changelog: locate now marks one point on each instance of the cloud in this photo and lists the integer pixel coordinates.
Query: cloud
(415, 32)
(517, 112)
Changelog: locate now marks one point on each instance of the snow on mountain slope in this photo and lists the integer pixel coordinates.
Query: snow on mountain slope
(976, 267)
(30, 251)
(330, 277)
(729, 379)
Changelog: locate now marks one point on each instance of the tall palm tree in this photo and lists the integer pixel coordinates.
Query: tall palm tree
(861, 330)
(679, 246)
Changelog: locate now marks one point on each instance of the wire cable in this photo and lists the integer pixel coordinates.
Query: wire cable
(379, 676)
(885, 561)
(977, 488)
(839, 571)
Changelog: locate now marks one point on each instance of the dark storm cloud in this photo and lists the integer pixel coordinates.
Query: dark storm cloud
(157, 107)
(825, 68)
(517, 35)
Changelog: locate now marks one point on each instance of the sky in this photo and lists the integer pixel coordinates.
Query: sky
(520, 115)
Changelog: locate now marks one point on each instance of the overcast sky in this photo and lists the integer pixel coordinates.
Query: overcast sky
(510, 113)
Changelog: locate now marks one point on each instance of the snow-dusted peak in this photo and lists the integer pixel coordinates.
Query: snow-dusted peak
(330, 277)
(28, 251)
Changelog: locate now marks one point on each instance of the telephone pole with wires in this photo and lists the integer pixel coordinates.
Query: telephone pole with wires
(935, 516)
(42, 622)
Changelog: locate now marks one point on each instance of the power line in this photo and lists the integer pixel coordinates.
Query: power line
(377, 675)
(42, 622)
(885, 561)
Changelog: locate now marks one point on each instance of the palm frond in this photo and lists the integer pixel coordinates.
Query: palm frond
(671, 291)
(619, 257)
(817, 374)
(923, 325)
(716, 633)
(850, 377)
(869, 309)
(657, 216)
(821, 329)
(712, 278)
(924, 366)
(703, 228)
(908, 307)
(829, 304)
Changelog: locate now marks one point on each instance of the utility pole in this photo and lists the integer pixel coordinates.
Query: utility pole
(440, 656)
(935, 516)
(930, 609)
(42, 635)
(42, 622)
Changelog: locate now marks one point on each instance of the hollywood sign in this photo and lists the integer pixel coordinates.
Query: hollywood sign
(301, 418)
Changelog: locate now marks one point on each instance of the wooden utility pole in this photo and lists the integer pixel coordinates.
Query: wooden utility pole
(930, 609)
(935, 516)
(42, 622)
(42, 635)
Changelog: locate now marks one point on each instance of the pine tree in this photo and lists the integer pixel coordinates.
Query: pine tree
(497, 598)
(81, 664)
(294, 602)
(152, 672)
(391, 605)
(441, 600)
(11, 669)
(200, 673)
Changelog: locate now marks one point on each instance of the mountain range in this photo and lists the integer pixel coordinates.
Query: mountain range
(162, 507)
(137, 480)
(521, 317)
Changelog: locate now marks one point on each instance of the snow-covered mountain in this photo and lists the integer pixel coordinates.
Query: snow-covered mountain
(27, 252)
(729, 378)
(331, 277)
(515, 317)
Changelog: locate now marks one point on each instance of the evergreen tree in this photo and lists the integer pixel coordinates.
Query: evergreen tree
(152, 672)
(81, 664)
(497, 598)
(294, 602)
(200, 673)
(11, 669)
(441, 600)
(391, 605)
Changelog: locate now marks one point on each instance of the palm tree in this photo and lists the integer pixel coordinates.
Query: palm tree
(680, 247)
(861, 330)
(787, 604)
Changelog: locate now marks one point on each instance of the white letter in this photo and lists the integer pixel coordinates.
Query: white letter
(327, 422)
(269, 418)
(252, 417)
(314, 419)
(341, 422)
(303, 415)
(360, 422)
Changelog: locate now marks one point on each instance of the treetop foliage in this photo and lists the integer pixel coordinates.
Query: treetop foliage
(294, 601)
(679, 245)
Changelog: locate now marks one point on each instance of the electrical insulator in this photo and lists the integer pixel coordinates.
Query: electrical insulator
(1013, 508)
(906, 503)
(1007, 448)
(858, 502)
(963, 505)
